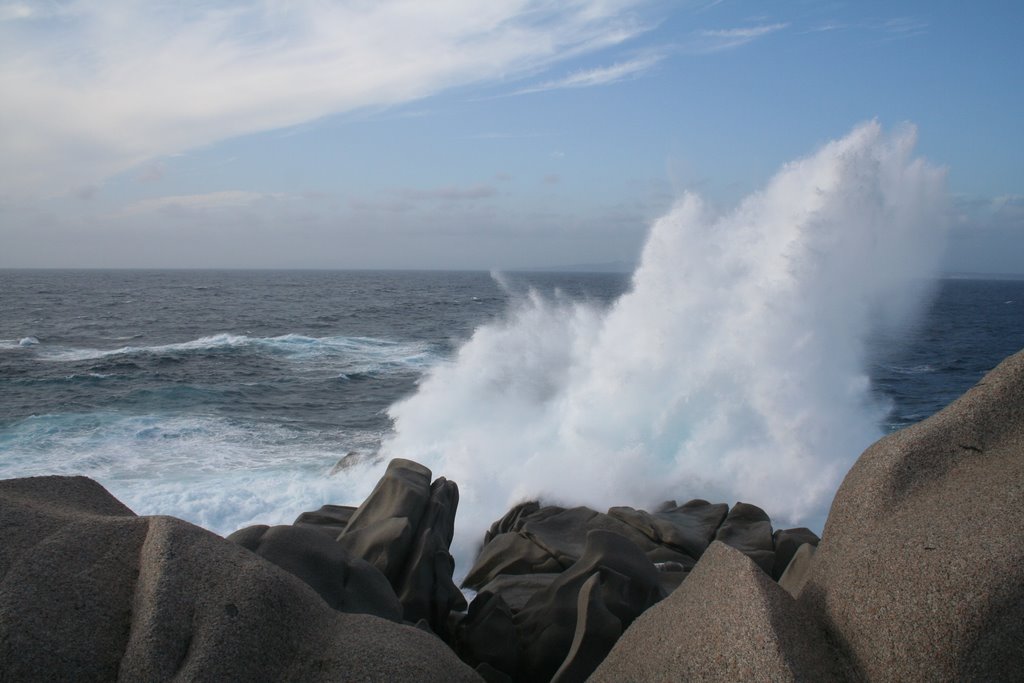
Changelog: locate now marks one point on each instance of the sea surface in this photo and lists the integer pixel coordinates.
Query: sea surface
(228, 397)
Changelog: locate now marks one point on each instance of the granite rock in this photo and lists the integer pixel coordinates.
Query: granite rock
(920, 571)
(727, 622)
(89, 591)
(346, 583)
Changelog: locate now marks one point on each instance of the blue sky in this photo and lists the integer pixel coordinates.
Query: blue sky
(461, 134)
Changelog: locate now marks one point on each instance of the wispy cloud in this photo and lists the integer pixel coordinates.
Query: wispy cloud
(109, 84)
(716, 40)
(605, 75)
(897, 27)
(227, 199)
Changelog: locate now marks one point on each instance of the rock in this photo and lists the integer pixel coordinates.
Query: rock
(727, 622)
(689, 528)
(509, 553)
(488, 636)
(517, 589)
(786, 542)
(425, 588)
(920, 572)
(381, 530)
(92, 592)
(564, 534)
(798, 571)
(330, 519)
(346, 583)
(348, 461)
(748, 529)
(597, 629)
(512, 520)
(546, 626)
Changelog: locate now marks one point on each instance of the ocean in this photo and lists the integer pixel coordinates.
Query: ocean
(228, 397)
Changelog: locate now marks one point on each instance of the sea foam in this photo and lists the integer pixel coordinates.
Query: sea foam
(733, 369)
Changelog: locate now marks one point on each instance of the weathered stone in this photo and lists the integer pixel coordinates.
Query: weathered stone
(787, 542)
(517, 589)
(748, 529)
(346, 583)
(91, 592)
(688, 528)
(727, 622)
(920, 572)
(509, 553)
(512, 520)
(564, 534)
(628, 585)
(798, 570)
(487, 635)
(330, 519)
(425, 588)
(597, 629)
(381, 530)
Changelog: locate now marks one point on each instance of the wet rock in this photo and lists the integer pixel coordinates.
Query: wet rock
(564, 534)
(597, 629)
(512, 520)
(346, 583)
(329, 519)
(727, 622)
(425, 588)
(381, 530)
(487, 635)
(920, 571)
(509, 553)
(689, 528)
(627, 582)
(517, 589)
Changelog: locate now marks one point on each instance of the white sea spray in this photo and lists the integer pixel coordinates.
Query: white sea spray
(733, 369)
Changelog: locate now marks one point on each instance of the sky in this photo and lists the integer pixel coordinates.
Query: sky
(457, 134)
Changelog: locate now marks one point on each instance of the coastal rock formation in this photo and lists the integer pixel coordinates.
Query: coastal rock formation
(920, 575)
(346, 583)
(729, 622)
(557, 586)
(392, 550)
(89, 591)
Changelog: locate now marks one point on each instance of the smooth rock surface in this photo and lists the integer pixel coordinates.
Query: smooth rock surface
(920, 572)
(627, 583)
(727, 622)
(787, 542)
(88, 591)
(346, 583)
(748, 529)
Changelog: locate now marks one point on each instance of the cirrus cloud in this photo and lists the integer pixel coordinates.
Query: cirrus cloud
(94, 87)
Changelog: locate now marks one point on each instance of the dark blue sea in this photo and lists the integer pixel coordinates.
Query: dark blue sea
(227, 397)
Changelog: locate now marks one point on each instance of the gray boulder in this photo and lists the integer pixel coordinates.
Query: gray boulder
(727, 622)
(920, 572)
(346, 583)
(689, 528)
(626, 584)
(329, 519)
(787, 542)
(92, 592)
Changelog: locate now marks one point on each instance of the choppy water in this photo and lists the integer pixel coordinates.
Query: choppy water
(227, 397)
